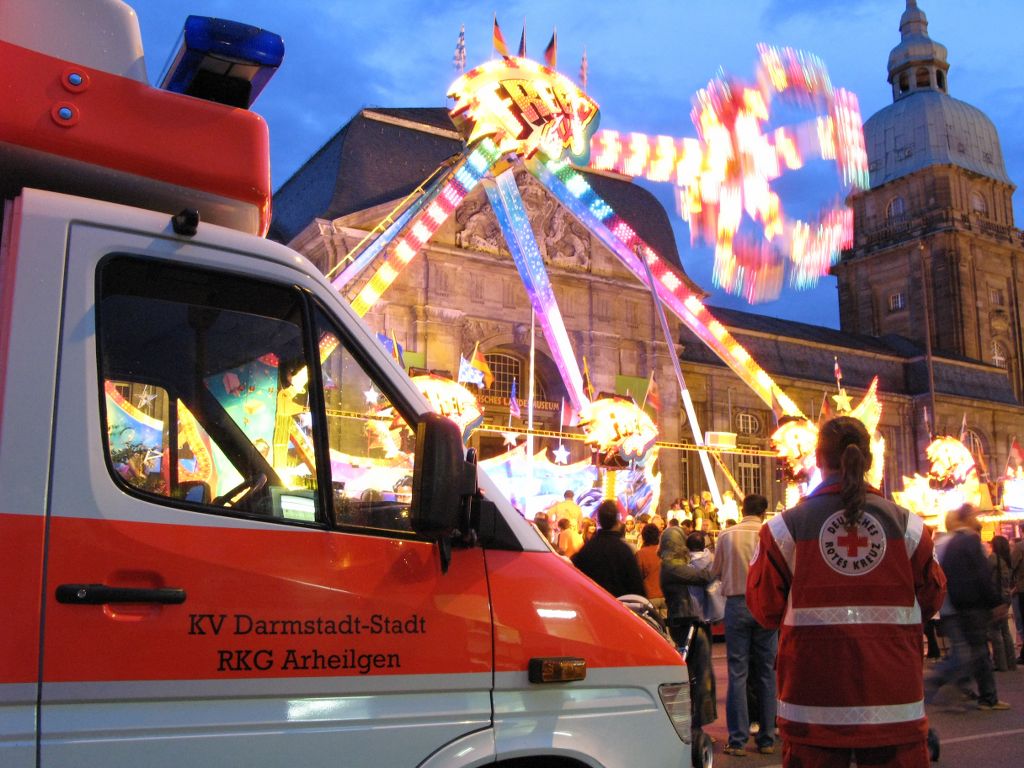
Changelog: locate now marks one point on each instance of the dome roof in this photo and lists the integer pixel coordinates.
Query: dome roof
(928, 128)
(924, 125)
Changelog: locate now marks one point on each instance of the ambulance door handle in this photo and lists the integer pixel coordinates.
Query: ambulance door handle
(101, 594)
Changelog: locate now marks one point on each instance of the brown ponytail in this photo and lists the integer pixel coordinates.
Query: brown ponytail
(854, 488)
(844, 445)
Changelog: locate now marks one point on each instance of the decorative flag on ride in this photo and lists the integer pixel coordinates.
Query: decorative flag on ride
(652, 397)
(588, 387)
(499, 39)
(838, 372)
(825, 412)
(569, 417)
(513, 404)
(1016, 458)
(963, 431)
(468, 374)
(396, 351)
(927, 424)
(392, 346)
(460, 51)
(522, 42)
(551, 52)
(584, 68)
(479, 362)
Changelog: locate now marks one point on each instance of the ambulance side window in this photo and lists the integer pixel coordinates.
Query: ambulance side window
(205, 400)
(371, 443)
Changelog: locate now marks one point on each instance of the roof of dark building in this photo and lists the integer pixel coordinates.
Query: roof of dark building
(899, 363)
(384, 154)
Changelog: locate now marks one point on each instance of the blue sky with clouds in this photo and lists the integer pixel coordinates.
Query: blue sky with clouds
(647, 58)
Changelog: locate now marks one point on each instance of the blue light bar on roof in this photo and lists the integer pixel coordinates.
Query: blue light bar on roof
(223, 61)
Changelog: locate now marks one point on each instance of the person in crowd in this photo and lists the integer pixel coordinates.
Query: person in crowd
(631, 533)
(659, 521)
(677, 575)
(650, 566)
(701, 559)
(956, 666)
(1017, 562)
(750, 648)
(1004, 657)
(730, 509)
(972, 595)
(843, 558)
(931, 623)
(607, 558)
(587, 529)
(543, 525)
(569, 540)
(567, 508)
(674, 511)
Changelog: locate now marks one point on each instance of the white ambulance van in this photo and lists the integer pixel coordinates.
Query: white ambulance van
(232, 533)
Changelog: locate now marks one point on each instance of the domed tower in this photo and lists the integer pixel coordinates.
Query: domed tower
(935, 250)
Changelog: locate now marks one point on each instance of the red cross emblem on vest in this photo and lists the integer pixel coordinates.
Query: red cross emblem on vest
(852, 550)
(852, 541)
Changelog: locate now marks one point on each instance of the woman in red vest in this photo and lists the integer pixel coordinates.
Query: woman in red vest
(846, 576)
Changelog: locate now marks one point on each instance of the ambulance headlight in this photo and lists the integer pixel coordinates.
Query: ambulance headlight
(675, 698)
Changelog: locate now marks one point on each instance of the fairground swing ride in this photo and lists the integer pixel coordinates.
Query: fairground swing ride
(515, 112)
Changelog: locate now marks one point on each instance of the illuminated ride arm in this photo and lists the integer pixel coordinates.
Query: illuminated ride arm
(404, 240)
(573, 191)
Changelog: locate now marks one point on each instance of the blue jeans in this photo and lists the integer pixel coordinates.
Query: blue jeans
(967, 633)
(751, 650)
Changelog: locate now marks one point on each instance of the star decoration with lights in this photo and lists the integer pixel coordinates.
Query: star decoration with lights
(146, 397)
(511, 438)
(561, 454)
(371, 395)
(842, 401)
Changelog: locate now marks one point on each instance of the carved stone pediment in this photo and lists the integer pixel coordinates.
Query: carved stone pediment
(475, 329)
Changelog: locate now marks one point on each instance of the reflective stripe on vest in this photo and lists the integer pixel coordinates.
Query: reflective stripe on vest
(784, 540)
(878, 715)
(853, 614)
(915, 530)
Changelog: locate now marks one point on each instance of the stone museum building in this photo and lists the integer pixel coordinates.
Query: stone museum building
(929, 294)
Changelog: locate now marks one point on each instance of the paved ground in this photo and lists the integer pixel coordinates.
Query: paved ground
(970, 738)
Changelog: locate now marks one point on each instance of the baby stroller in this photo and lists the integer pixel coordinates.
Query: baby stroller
(701, 754)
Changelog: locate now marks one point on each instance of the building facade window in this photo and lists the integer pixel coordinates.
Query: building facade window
(895, 209)
(979, 204)
(923, 77)
(996, 297)
(897, 301)
(508, 368)
(748, 474)
(998, 354)
(748, 424)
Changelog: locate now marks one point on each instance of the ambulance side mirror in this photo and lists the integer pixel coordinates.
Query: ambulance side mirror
(443, 482)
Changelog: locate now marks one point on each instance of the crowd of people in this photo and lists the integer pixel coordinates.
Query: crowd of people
(817, 581)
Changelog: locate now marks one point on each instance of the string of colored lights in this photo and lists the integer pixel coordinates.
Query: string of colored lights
(572, 189)
(397, 227)
(728, 172)
(508, 207)
(421, 227)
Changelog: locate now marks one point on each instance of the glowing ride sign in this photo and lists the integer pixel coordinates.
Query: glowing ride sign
(618, 428)
(525, 108)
